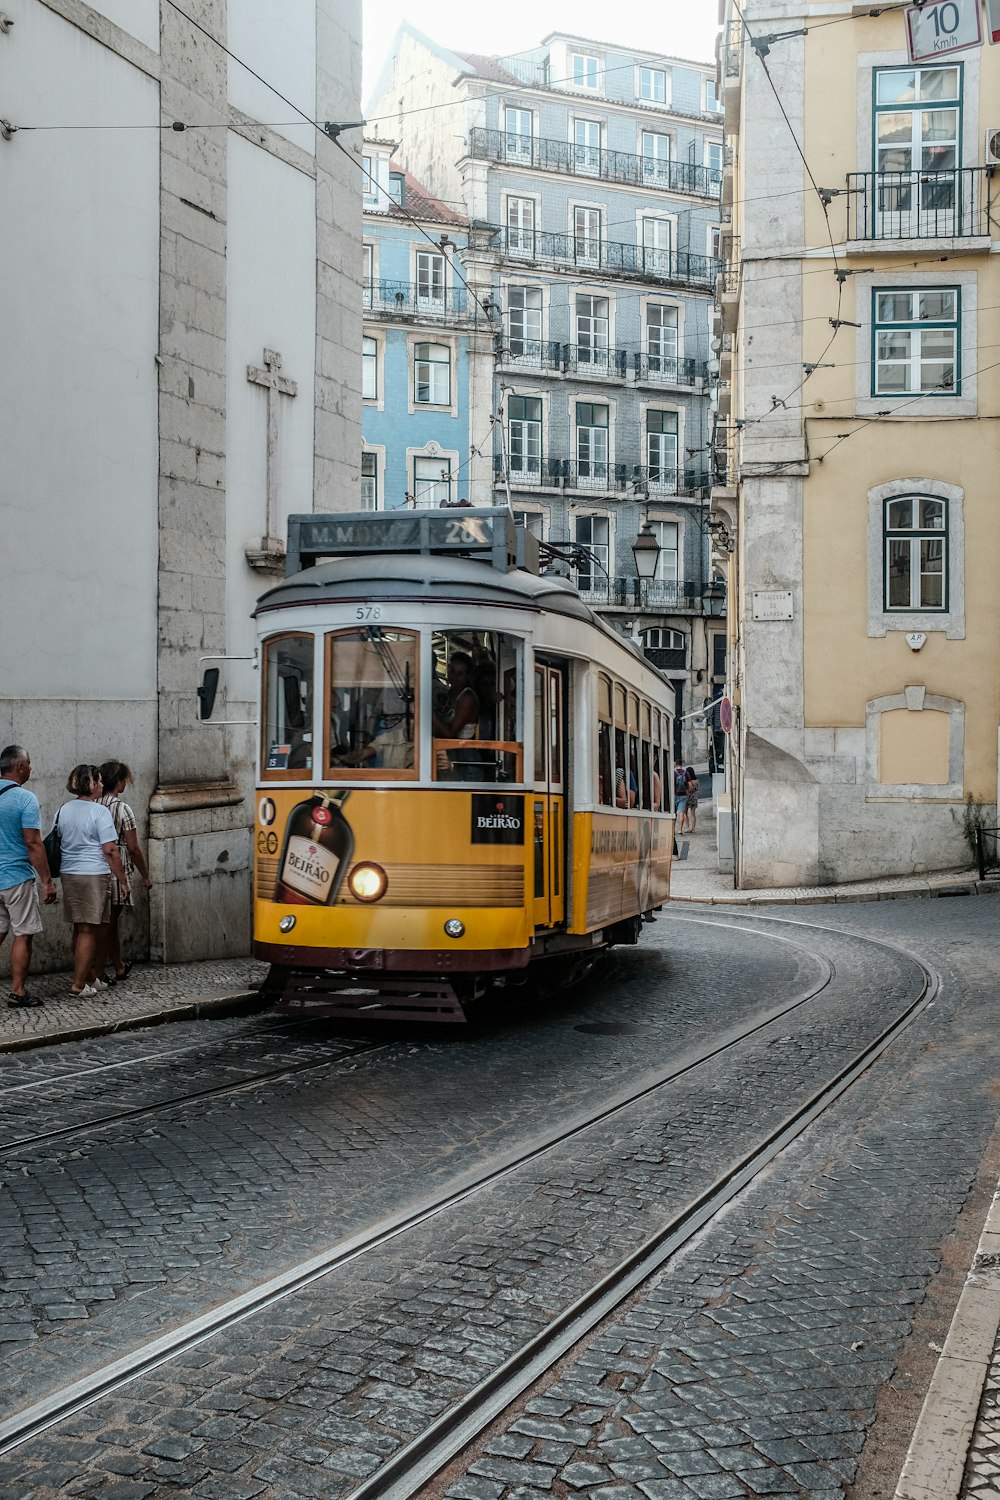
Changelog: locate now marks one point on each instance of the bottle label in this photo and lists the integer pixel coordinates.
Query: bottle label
(309, 868)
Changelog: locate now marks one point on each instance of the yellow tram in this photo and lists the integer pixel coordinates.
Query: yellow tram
(464, 774)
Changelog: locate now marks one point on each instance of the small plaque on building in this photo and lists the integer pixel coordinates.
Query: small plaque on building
(772, 604)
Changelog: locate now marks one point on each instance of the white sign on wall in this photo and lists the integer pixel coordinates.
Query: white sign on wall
(772, 604)
(993, 20)
(942, 26)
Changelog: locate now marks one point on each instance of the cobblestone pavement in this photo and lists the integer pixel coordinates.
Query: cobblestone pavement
(322, 1388)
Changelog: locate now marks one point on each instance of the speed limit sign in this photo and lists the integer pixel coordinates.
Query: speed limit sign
(942, 26)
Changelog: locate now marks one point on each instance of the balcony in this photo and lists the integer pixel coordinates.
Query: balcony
(586, 359)
(588, 256)
(409, 299)
(667, 369)
(537, 472)
(570, 160)
(665, 657)
(906, 206)
(651, 594)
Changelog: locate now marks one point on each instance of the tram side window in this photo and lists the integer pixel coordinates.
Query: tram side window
(626, 785)
(657, 762)
(288, 705)
(605, 769)
(645, 756)
(372, 703)
(476, 713)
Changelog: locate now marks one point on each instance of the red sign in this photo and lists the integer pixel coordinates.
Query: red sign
(725, 715)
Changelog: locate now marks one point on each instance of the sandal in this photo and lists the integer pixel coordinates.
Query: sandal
(126, 971)
(23, 1002)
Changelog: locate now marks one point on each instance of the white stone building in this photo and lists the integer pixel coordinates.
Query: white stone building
(147, 271)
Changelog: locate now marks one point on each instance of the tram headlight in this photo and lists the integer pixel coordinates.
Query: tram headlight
(286, 924)
(454, 928)
(367, 882)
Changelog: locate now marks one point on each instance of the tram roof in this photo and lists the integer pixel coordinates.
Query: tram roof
(431, 578)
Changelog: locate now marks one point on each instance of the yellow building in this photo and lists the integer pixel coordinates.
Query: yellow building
(857, 445)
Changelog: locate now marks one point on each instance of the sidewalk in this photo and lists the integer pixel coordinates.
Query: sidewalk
(960, 1421)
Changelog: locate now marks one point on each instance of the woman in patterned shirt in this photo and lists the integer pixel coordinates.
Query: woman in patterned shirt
(116, 776)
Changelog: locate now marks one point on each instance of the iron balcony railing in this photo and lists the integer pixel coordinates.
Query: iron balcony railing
(666, 657)
(639, 593)
(410, 297)
(731, 267)
(919, 205)
(572, 160)
(667, 369)
(732, 50)
(580, 252)
(545, 472)
(610, 364)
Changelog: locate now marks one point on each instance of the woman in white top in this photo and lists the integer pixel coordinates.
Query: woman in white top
(89, 842)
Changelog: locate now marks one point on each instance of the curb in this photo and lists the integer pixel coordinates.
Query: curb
(923, 890)
(939, 1448)
(233, 1003)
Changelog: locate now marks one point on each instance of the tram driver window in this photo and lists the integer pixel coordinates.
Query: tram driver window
(288, 700)
(372, 703)
(475, 708)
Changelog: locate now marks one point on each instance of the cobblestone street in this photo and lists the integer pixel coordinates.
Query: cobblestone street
(751, 1364)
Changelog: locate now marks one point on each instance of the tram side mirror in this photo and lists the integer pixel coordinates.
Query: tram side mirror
(207, 691)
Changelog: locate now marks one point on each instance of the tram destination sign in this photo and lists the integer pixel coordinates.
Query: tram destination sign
(487, 532)
(942, 26)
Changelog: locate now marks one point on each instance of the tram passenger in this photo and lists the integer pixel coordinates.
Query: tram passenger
(339, 731)
(391, 748)
(457, 717)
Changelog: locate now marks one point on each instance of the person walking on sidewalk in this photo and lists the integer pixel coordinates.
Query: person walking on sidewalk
(691, 799)
(89, 847)
(22, 857)
(116, 776)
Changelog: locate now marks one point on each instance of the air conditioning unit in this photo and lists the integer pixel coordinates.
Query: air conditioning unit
(992, 152)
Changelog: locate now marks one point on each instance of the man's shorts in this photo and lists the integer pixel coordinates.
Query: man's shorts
(681, 805)
(20, 912)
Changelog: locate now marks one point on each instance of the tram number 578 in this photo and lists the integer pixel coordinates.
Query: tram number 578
(368, 612)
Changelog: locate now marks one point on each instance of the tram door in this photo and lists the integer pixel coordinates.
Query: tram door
(549, 798)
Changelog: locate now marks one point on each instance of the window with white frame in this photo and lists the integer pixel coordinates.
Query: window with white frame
(587, 236)
(916, 341)
(661, 450)
(659, 638)
(916, 553)
(524, 436)
(369, 369)
(592, 428)
(369, 481)
(657, 240)
(585, 71)
(432, 374)
(531, 520)
(661, 340)
(587, 146)
(521, 226)
(431, 279)
(653, 85)
(524, 322)
(593, 533)
(431, 482)
(655, 156)
(367, 275)
(713, 104)
(715, 241)
(713, 162)
(917, 150)
(592, 325)
(518, 130)
(397, 187)
(369, 186)
(666, 533)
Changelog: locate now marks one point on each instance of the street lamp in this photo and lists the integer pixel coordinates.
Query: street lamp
(714, 598)
(646, 551)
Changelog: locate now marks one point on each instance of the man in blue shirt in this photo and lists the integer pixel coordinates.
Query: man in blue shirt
(22, 856)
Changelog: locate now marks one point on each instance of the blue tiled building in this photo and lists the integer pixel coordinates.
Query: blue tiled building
(422, 335)
(590, 176)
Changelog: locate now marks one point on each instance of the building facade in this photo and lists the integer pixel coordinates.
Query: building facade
(590, 177)
(858, 321)
(428, 346)
(182, 305)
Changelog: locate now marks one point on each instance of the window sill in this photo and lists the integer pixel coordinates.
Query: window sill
(970, 244)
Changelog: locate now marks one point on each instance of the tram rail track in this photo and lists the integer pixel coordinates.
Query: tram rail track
(413, 1465)
(62, 1404)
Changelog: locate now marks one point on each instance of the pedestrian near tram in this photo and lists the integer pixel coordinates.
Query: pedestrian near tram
(89, 849)
(116, 777)
(22, 857)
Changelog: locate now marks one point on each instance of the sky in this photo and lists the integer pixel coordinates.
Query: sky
(680, 28)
